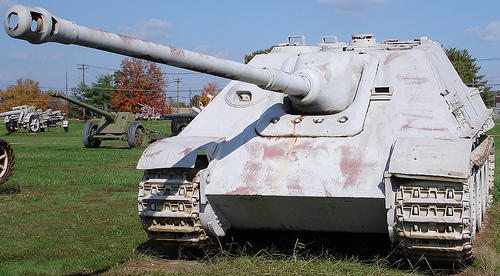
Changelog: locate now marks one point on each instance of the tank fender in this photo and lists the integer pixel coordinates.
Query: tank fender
(177, 152)
(431, 158)
(212, 220)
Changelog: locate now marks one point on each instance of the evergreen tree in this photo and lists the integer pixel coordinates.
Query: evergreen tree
(466, 67)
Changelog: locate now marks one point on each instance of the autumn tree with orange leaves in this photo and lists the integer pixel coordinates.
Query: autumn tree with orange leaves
(212, 88)
(138, 82)
(25, 92)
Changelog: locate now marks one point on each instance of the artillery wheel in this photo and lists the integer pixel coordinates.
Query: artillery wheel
(6, 161)
(33, 124)
(178, 124)
(136, 135)
(10, 127)
(88, 132)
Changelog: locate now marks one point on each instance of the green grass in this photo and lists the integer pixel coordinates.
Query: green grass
(72, 210)
(76, 209)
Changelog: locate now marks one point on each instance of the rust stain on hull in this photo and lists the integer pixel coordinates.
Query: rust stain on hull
(352, 166)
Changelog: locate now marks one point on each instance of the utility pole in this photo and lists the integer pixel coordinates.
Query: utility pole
(67, 105)
(83, 67)
(178, 80)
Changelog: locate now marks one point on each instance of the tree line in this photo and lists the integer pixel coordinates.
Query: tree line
(137, 82)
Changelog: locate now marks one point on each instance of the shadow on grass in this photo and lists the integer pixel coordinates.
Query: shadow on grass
(9, 189)
(114, 147)
(360, 246)
(161, 250)
(363, 247)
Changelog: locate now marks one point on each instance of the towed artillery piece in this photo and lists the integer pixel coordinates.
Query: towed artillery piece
(113, 126)
(32, 119)
(148, 113)
(361, 137)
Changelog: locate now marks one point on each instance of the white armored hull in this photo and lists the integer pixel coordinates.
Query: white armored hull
(271, 168)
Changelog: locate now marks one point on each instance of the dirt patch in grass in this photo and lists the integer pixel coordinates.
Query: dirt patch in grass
(10, 189)
(115, 189)
(156, 264)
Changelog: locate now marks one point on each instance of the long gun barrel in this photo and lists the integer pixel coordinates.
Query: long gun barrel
(103, 113)
(8, 113)
(50, 28)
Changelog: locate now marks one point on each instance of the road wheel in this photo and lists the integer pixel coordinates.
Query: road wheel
(136, 135)
(178, 124)
(33, 124)
(89, 131)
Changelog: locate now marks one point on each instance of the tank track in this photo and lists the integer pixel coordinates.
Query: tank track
(169, 206)
(439, 220)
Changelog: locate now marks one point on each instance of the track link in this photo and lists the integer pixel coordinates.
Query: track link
(439, 220)
(169, 206)
(434, 220)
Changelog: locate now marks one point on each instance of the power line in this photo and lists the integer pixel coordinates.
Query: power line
(184, 73)
(104, 68)
(487, 59)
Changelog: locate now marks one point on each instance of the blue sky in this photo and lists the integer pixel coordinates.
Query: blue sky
(231, 29)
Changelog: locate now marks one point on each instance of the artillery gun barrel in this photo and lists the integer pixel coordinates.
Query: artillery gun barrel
(103, 113)
(8, 113)
(190, 115)
(50, 28)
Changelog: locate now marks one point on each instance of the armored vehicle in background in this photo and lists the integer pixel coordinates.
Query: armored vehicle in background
(339, 137)
(33, 119)
(113, 126)
(179, 121)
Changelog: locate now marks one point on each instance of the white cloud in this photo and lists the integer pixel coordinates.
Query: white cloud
(5, 4)
(354, 8)
(20, 56)
(50, 57)
(490, 32)
(4, 77)
(153, 29)
(207, 50)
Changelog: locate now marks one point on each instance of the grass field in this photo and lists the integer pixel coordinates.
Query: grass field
(68, 210)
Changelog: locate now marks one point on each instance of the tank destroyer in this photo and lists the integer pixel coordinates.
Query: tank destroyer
(361, 137)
